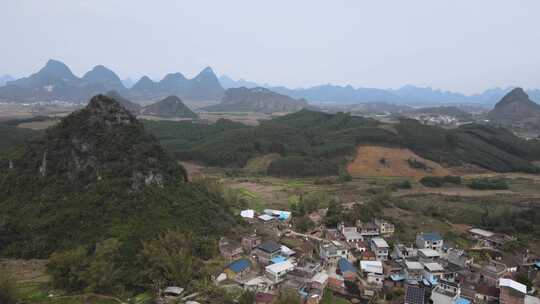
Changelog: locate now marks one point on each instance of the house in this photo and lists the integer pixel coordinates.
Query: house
(259, 284)
(331, 251)
(368, 256)
(346, 269)
(266, 251)
(512, 292)
(278, 214)
(372, 271)
(486, 294)
(413, 271)
(351, 236)
(230, 249)
(428, 255)
(238, 268)
(447, 293)
(367, 229)
(247, 214)
(287, 252)
(403, 252)
(432, 273)
(385, 228)
(266, 217)
(308, 269)
(277, 272)
(336, 283)
(480, 234)
(414, 294)
(488, 238)
(458, 257)
(319, 281)
(250, 242)
(380, 247)
(430, 240)
(492, 272)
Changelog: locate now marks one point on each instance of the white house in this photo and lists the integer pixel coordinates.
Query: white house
(380, 247)
(277, 272)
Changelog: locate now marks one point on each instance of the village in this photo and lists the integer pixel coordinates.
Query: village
(365, 264)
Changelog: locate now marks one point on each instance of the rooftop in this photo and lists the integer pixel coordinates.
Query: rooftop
(380, 242)
(434, 267)
(352, 235)
(372, 266)
(414, 295)
(269, 246)
(481, 232)
(320, 278)
(513, 284)
(346, 266)
(239, 265)
(412, 265)
(429, 253)
(431, 236)
(280, 267)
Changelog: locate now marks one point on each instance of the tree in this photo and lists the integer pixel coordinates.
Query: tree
(248, 297)
(8, 293)
(288, 297)
(169, 259)
(102, 274)
(304, 223)
(67, 269)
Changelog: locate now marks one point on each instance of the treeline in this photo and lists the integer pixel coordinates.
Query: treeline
(307, 137)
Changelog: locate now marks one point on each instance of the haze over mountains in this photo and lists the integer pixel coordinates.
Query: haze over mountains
(408, 94)
(55, 81)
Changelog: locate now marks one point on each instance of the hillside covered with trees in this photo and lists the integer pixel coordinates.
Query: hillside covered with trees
(314, 143)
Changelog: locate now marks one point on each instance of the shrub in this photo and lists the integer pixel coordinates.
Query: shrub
(438, 181)
(489, 184)
(416, 164)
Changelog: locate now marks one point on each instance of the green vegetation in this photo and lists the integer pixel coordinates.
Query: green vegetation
(439, 181)
(416, 164)
(488, 184)
(96, 193)
(307, 138)
(8, 292)
(329, 298)
(11, 137)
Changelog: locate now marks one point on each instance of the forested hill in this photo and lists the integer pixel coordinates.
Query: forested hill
(316, 143)
(97, 175)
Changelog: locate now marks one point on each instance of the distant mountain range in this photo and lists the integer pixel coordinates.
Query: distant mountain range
(409, 94)
(55, 81)
(5, 78)
(257, 100)
(516, 109)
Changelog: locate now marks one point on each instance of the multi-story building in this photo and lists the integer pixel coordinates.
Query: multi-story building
(380, 247)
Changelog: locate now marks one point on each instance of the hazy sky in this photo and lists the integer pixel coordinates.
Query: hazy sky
(465, 45)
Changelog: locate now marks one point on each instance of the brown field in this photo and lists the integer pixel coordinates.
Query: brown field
(248, 118)
(368, 163)
(38, 125)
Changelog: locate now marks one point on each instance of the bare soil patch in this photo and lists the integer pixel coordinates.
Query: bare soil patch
(387, 161)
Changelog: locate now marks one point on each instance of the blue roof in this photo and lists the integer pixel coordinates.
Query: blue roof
(283, 215)
(397, 277)
(431, 236)
(278, 259)
(346, 266)
(239, 265)
(537, 264)
(462, 301)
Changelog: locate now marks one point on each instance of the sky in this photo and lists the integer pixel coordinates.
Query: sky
(458, 45)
